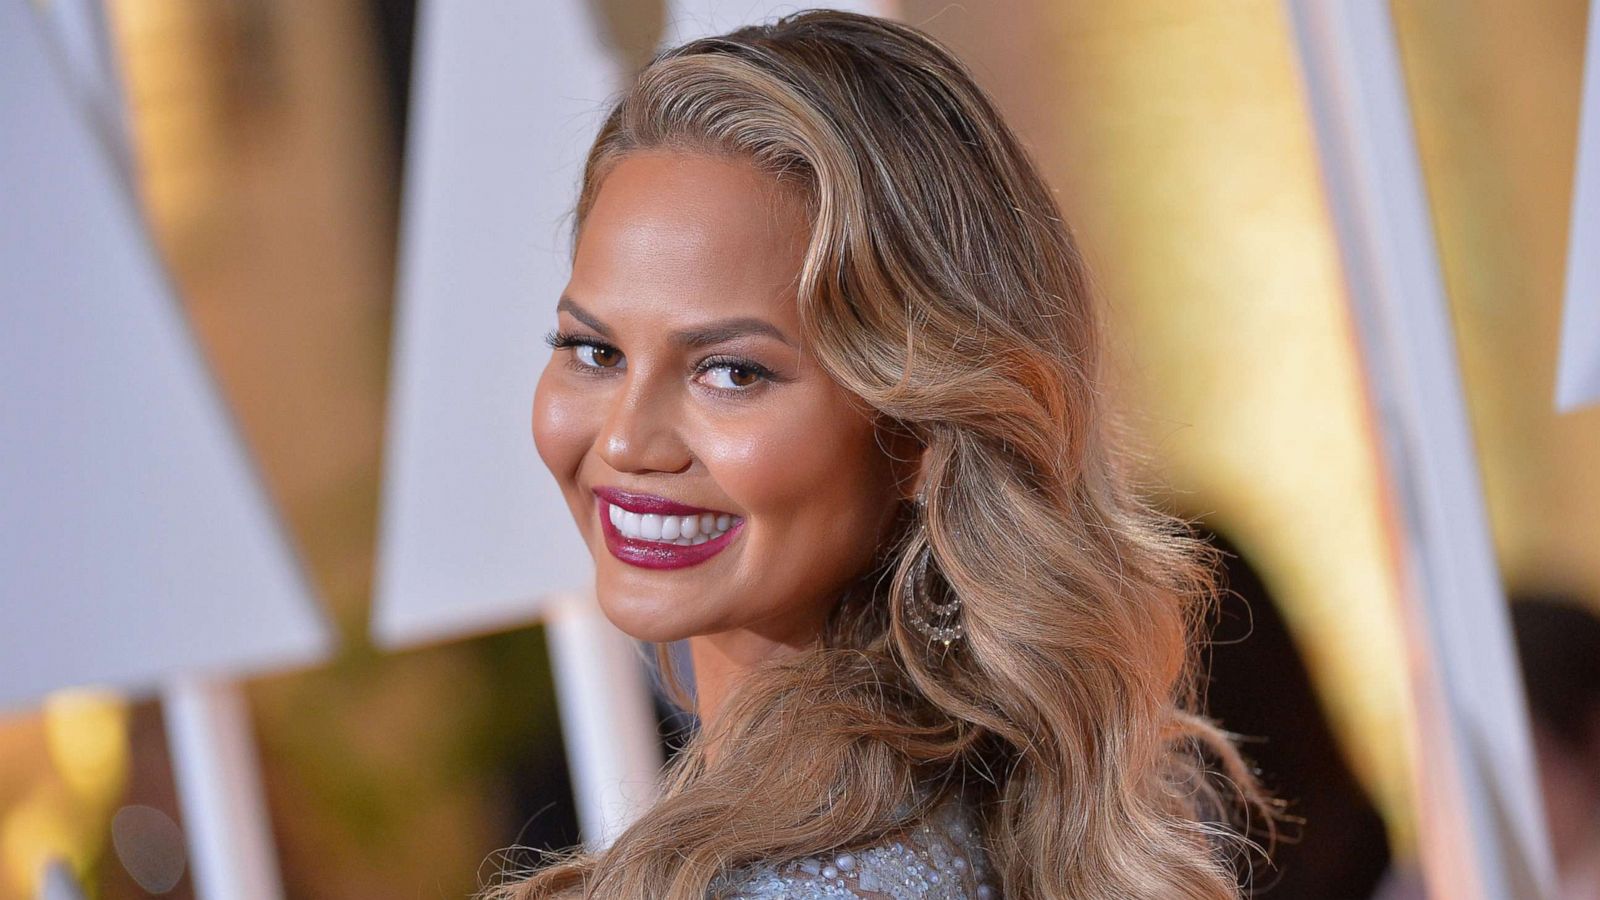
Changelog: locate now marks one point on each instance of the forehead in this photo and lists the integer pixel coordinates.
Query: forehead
(692, 233)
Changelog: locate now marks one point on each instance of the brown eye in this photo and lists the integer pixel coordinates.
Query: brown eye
(598, 357)
(732, 376)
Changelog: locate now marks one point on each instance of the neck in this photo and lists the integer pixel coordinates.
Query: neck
(723, 659)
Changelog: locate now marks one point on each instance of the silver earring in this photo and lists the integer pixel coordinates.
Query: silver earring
(922, 611)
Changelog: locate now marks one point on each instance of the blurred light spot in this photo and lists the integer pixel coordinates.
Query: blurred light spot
(35, 831)
(87, 732)
(150, 846)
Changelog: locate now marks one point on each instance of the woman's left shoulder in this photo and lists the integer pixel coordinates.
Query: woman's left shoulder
(940, 858)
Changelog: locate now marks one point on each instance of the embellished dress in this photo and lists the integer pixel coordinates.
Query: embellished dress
(940, 859)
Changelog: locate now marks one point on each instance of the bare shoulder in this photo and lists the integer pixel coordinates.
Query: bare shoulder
(941, 858)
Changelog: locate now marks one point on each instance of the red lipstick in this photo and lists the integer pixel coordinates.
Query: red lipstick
(648, 554)
(650, 503)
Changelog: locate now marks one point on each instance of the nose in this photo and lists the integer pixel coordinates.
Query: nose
(640, 433)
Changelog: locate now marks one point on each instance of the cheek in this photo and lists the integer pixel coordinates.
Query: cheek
(562, 430)
(812, 475)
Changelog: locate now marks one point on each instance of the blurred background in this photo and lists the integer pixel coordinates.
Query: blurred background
(269, 141)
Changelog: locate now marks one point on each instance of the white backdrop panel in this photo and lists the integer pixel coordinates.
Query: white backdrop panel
(693, 18)
(135, 539)
(1578, 380)
(474, 530)
(1483, 834)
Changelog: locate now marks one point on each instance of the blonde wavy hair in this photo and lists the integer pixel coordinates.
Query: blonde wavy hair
(941, 285)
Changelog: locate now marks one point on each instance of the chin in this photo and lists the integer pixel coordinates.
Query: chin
(651, 619)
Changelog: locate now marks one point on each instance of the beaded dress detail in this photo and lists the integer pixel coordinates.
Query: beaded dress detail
(941, 858)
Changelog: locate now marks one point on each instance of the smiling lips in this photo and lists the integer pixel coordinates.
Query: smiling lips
(656, 533)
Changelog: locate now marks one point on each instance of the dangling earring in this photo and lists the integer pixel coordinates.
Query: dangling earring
(921, 609)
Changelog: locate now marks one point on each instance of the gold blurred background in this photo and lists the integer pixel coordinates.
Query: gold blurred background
(267, 136)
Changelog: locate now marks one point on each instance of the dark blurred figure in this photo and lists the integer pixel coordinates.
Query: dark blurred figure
(394, 24)
(1333, 843)
(1558, 640)
(1558, 646)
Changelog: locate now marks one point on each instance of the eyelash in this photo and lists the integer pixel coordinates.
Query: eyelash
(563, 340)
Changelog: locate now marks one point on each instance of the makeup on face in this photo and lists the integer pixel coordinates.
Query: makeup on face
(724, 483)
(654, 532)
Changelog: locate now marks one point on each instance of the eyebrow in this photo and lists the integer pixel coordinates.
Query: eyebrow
(701, 336)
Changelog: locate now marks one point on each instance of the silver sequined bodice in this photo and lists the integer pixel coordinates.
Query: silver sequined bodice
(940, 859)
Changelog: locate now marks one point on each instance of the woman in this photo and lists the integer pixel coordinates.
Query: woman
(826, 403)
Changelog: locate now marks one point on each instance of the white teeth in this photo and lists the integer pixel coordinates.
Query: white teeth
(684, 531)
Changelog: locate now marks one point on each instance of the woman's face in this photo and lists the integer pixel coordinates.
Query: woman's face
(723, 481)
